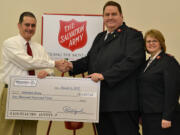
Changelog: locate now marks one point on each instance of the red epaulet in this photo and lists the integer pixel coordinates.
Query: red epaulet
(135, 29)
(170, 55)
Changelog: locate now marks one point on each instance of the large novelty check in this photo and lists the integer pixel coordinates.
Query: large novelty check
(53, 98)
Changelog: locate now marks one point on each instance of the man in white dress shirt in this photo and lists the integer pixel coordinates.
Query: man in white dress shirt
(16, 61)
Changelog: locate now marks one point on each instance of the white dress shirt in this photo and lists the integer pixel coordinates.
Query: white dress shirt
(16, 61)
(107, 33)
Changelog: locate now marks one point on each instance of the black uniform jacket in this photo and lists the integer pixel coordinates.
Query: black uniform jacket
(118, 58)
(158, 86)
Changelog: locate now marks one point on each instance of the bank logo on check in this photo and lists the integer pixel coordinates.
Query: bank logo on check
(24, 82)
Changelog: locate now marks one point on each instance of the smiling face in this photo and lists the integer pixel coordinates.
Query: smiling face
(27, 28)
(152, 45)
(112, 18)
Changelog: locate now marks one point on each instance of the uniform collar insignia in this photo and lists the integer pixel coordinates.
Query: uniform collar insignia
(119, 30)
(158, 57)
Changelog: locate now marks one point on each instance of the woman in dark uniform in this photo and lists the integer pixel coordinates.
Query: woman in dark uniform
(158, 90)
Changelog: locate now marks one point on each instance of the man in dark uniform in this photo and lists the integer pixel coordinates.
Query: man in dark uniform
(114, 59)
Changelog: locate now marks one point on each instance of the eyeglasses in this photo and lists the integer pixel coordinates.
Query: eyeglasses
(28, 25)
(151, 41)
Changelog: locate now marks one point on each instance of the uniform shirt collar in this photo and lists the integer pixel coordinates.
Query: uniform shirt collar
(152, 58)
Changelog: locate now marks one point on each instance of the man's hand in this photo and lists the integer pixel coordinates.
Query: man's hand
(63, 65)
(42, 74)
(96, 77)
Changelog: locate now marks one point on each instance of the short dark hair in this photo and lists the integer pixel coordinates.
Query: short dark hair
(112, 3)
(30, 14)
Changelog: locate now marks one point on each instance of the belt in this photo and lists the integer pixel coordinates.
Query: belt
(6, 85)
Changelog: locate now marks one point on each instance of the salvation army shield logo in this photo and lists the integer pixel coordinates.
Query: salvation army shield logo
(72, 34)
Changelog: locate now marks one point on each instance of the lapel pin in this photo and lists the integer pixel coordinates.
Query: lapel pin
(119, 30)
(158, 57)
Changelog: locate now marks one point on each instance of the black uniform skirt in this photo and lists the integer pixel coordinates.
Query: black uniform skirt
(151, 124)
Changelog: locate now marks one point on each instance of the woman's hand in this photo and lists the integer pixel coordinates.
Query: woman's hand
(165, 123)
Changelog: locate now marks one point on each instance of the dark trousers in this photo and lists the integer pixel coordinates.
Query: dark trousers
(118, 123)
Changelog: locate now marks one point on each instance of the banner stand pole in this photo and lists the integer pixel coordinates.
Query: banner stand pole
(49, 127)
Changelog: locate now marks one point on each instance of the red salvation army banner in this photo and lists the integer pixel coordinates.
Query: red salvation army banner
(69, 36)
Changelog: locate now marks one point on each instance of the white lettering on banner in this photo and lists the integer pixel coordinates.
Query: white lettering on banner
(69, 27)
(74, 41)
(77, 33)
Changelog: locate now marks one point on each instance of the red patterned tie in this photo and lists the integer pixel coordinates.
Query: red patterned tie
(29, 52)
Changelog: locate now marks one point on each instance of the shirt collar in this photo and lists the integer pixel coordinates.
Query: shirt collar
(109, 32)
(122, 27)
(23, 41)
(152, 58)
